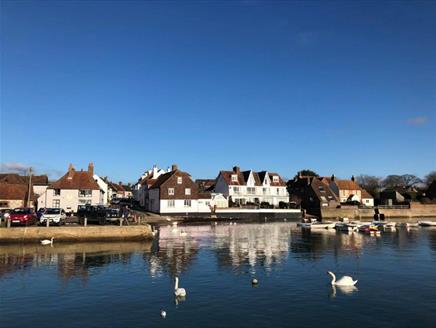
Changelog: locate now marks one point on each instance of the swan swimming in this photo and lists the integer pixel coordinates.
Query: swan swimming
(163, 313)
(178, 291)
(47, 241)
(254, 281)
(344, 281)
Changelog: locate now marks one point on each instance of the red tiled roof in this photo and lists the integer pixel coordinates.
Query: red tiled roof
(346, 185)
(76, 180)
(281, 183)
(366, 194)
(20, 179)
(14, 191)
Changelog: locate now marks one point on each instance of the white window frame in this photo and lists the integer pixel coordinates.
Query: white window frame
(275, 179)
(234, 178)
(179, 180)
(187, 191)
(171, 203)
(187, 203)
(56, 203)
(170, 191)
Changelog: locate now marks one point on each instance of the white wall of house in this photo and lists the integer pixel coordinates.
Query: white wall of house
(179, 206)
(68, 199)
(368, 202)
(39, 190)
(103, 186)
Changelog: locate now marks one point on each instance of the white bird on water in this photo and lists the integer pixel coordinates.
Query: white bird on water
(163, 313)
(344, 281)
(47, 241)
(178, 291)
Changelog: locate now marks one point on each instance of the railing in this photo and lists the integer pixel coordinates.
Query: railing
(398, 207)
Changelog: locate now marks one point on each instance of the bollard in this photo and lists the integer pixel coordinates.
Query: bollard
(139, 220)
(8, 223)
(47, 223)
(121, 222)
(85, 222)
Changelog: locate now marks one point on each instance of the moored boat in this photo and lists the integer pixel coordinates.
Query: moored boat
(427, 223)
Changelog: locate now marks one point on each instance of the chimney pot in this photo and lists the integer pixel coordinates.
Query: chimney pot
(333, 177)
(236, 169)
(173, 167)
(352, 178)
(91, 168)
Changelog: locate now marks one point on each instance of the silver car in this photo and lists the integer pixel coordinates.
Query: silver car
(53, 215)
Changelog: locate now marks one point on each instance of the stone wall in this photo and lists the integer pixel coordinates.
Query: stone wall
(416, 210)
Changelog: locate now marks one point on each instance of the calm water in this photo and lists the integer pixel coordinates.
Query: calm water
(126, 284)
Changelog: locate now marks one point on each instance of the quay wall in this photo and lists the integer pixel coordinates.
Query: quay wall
(76, 233)
(416, 210)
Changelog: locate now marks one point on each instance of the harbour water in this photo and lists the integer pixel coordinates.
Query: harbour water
(127, 284)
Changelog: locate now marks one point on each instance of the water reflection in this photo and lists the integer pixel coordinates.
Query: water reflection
(345, 290)
(72, 260)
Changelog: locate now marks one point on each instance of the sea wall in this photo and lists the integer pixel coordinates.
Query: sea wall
(76, 233)
(416, 210)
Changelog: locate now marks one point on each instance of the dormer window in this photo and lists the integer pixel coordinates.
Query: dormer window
(234, 178)
(179, 180)
(275, 179)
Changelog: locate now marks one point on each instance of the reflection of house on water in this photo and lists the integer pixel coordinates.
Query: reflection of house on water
(71, 260)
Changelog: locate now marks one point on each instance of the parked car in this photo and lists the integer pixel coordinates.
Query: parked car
(113, 214)
(23, 216)
(93, 214)
(53, 215)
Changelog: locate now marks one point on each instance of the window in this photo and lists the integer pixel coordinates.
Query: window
(236, 190)
(278, 191)
(56, 192)
(187, 191)
(251, 190)
(179, 180)
(265, 191)
(234, 178)
(275, 178)
(171, 203)
(170, 191)
(85, 193)
(187, 203)
(321, 188)
(56, 203)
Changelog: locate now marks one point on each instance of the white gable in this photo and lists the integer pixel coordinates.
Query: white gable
(250, 181)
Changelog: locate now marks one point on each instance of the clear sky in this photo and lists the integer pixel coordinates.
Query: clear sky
(339, 87)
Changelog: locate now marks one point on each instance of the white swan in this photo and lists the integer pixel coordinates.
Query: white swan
(163, 313)
(344, 281)
(178, 291)
(47, 241)
(183, 233)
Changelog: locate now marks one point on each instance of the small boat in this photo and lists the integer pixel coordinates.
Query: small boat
(317, 225)
(369, 229)
(346, 227)
(427, 223)
(386, 226)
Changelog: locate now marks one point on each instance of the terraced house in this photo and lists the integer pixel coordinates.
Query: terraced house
(242, 187)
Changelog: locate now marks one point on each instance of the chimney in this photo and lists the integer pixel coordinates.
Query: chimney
(173, 167)
(352, 178)
(70, 171)
(91, 168)
(333, 177)
(154, 176)
(300, 175)
(236, 169)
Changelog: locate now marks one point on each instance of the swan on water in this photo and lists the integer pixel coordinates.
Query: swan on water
(163, 313)
(344, 281)
(254, 281)
(178, 291)
(47, 241)
(183, 233)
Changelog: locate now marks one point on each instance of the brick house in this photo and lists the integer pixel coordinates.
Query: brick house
(173, 192)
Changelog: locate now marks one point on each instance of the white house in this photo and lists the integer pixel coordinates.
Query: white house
(242, 187)
(73, 189)
(103, 187)
(147, 180)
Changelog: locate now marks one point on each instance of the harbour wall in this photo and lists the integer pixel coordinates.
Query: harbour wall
(76, 233)
(416, 210)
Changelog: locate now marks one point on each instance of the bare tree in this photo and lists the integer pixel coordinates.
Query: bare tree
(370, 183)
(429, 178)
(404, 181)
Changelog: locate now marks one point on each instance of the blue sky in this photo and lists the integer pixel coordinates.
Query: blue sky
(344, 87)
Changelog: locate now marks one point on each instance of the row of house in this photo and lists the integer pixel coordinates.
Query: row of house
(174, 191)
(75, 188)
(313, 193)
